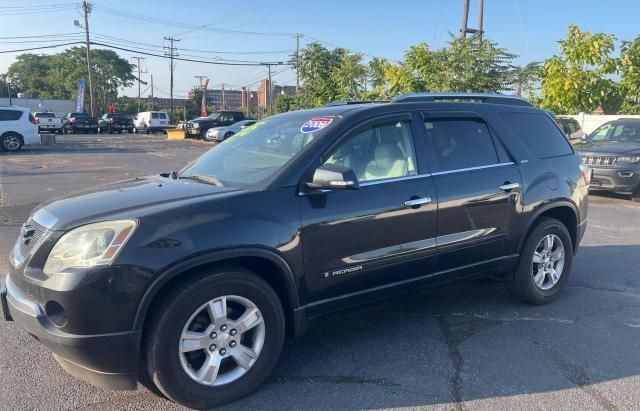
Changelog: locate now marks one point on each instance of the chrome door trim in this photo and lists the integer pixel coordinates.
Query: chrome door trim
(460, 170)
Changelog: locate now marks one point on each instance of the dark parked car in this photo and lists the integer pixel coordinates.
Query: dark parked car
(116, 123)
(612, 151)
(75, 123)
(198, 127)
(198, 274)
(571, 128)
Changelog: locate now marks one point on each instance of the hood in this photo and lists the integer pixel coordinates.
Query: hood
(122, 198)
(609, 147)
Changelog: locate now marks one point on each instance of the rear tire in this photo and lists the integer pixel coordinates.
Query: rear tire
(181, 310)
(11, 142)
(523, 285)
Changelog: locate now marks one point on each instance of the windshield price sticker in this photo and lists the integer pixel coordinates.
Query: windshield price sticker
(315, 124)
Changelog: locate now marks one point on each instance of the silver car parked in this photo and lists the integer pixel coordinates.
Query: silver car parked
(223, 133)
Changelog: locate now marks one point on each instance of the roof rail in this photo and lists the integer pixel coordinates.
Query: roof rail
(349, 102)
(463, 97)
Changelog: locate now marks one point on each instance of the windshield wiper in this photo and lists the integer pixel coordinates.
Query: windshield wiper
(203, 178)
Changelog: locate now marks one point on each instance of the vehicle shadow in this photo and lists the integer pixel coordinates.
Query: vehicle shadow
(469, 341)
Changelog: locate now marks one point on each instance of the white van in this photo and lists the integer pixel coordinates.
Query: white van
(150, 121)
(17, 128)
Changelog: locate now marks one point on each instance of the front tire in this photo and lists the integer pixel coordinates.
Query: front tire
(215, 339)
(545, 263)
(635, 196)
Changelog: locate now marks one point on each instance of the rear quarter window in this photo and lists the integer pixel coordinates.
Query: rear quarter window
(539, 133)
(10, 115)
(155, 115)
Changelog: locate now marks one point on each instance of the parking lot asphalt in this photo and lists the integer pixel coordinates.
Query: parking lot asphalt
(462, 346)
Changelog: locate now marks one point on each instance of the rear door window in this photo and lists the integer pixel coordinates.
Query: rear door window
(460, 143)
(163, 116)
(539, 133)
(155, 115)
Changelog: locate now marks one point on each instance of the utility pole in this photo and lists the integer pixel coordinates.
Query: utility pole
(201, 78)
(153, 103)
(140, 72)
(270, 91)
(297, 36)
(223, 105)
(465, 19)
(480, 18)
(86, 7)
(171, 52)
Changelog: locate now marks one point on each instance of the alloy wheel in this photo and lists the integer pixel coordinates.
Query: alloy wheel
(548, 262)
(222, 340)
(11, 142)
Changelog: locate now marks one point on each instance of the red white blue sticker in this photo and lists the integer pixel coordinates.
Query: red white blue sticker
(315, 124)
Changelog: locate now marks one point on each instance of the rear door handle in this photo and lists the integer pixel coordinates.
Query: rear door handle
(509, 186)
(417, 202)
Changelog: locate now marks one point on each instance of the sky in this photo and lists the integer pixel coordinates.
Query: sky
(528, 28)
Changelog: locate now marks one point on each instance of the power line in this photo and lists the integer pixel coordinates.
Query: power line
(165, 22)
(41, 48)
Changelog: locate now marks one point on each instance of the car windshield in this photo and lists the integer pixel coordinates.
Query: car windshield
(617, 132)
(214, 116)
(259, 151)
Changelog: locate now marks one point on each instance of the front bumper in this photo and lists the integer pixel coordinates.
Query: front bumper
(105, 360)
(617, 180)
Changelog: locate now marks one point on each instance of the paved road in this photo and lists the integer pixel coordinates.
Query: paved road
(461, 346)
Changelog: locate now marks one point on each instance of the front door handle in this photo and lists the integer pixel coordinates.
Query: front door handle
(509, 186)
(416, 202)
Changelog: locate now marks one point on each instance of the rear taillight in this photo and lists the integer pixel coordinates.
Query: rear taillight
(74, 120)
(37, 121)
(111, 120)
(586, 174)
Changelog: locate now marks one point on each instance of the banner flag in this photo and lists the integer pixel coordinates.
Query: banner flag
(203, 108)
(80, 96)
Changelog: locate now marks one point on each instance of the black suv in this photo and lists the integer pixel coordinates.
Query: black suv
(613, 152)
(198, 274)
(115, 123)
(197, 128)
(75, 123)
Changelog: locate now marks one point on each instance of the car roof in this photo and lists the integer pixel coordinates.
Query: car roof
(624, 121)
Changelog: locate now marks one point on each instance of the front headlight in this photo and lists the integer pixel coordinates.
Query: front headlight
(90, 245)
(196, 125)
(631, 159)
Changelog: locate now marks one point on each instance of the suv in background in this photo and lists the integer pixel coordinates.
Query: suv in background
(190, 279)
(17, 128)
(75, 123)
(48, 121)
(150, 122)
(115, 123)
(571, 128)
(198, 127)
(612, 151)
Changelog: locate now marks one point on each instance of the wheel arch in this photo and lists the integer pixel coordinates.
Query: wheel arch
(265, 263)
(564, 211)
(11, 132)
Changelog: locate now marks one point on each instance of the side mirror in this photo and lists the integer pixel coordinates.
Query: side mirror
(334, 177)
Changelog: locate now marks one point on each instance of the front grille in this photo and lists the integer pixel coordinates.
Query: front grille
(188, 126)
(30, 235)
(600, 161)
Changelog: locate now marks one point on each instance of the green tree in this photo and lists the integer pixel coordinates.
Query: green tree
(329, 75)
(57, 75)
(464, 65)
(282, 104)
(578, 80)
(525, 77)
(630, 76)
